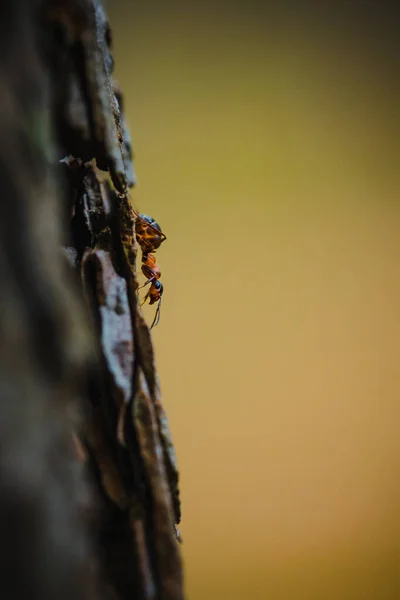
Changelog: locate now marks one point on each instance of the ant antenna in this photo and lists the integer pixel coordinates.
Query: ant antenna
(156, 319)
(146, 283)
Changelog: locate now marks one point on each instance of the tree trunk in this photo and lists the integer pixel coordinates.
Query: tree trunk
(89, 497)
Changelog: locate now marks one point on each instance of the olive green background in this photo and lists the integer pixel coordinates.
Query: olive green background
(267, 147)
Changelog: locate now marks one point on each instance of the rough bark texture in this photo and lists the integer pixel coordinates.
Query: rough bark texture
(89, 496)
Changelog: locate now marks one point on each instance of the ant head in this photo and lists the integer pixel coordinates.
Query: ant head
(155, 292)
(159, 287)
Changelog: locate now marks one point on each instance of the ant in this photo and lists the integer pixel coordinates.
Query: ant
(150, 237)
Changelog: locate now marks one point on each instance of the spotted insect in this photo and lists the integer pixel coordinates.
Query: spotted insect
(150, 237)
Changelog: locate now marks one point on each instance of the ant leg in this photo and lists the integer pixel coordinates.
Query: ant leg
(147, 282)
(145, 298)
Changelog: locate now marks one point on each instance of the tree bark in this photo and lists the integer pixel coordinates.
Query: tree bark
(89, 497)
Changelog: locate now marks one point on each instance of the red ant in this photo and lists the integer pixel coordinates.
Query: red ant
(150, 237)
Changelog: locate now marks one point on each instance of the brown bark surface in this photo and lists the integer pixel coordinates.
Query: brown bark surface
(89, 497)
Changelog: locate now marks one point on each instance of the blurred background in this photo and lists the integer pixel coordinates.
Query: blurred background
(267, 146)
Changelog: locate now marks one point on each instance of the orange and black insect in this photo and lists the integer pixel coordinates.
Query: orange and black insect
(148, 234)
(150, 237)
